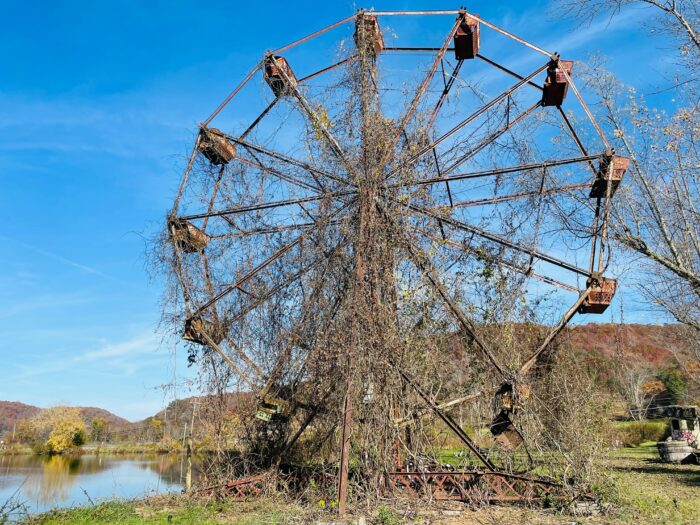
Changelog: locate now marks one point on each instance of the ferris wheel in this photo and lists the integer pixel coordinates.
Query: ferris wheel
(349, 188)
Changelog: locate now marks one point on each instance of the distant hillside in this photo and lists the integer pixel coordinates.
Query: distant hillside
(13, 411)
(653, 344)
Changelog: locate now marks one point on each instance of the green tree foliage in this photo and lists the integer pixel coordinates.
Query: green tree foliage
(98, 429)
(675, 384)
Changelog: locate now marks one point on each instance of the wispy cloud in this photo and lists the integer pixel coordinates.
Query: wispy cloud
(63, 260)
(113, 358)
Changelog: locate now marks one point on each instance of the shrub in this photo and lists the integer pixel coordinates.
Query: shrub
(633, 433)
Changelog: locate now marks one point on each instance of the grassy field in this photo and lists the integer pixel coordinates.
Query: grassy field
(647, 492)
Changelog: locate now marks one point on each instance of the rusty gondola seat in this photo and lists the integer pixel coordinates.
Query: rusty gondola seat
(466, 39)
(215, 147)
(188, 237)
(600, 297)
(556, 84)
(195, 327)
(279, 76)
(619, 167)
(367, 28)
(504, 431)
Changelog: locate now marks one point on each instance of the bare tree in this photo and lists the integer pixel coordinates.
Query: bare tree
(679, 19)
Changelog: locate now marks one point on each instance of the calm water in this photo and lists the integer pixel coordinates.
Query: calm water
(43, 483)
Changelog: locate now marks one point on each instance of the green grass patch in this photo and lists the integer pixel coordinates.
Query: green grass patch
(175, 510)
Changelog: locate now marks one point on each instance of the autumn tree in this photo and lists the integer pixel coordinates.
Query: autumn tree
(57, 429)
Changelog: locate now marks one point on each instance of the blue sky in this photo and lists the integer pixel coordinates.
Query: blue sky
(99, 103)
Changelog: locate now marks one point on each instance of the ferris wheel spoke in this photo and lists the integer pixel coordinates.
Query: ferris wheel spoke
(228, 99)
(520, 195)
(267, 205)
(420, 92)
(496, 238)
(284, 356)
(496, 171)
(587, 111)
(575, 137)
(280, 175)
(555, 331)
(422, 262)
(523, 270)
(444, 94)
(290, 86)
(342, 62)
(259, 118)
(287, 159)
(493, 136)
(268, 261)
(482, 110)
(507, 71)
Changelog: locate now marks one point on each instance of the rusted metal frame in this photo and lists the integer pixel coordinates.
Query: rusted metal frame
(525, 271)
(585, 109)
(445, 92)
(269, 205)
(266, 231)
(506, 70)
(422, 262)
(312, 35)
(290, 160)
(411, 13)
(212, 344)
(280, 175)
(274, 375)
(496, 238)
(186, 296)
(233, 93)
(538, 220)
(311, 115)
(554, 332)
(420, 91)
(416, 49)
(520, 195)
(248, 361)
(594, 234)
(447, 182)
(496, 171)
(264, 264)
(487, 24)
(186, 174)
(213, 197)
(310, 416)
(467, 120)
(345, 453)
(329, 68)
(514, 37)
(259, 118)
(451, 423)
(448, 405)
(511, 123)
(606, 217)
(576, 138)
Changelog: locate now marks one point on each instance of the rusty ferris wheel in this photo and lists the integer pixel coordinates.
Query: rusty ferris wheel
(311, 243)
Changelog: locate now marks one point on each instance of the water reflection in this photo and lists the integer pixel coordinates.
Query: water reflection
(45, 482)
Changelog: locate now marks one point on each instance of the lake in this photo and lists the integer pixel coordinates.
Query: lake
(45, 482)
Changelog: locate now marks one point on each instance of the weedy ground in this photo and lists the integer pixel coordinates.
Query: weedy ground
(646, 492)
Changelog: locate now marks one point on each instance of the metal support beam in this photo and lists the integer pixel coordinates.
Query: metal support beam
(467, 120)
(497, 239)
